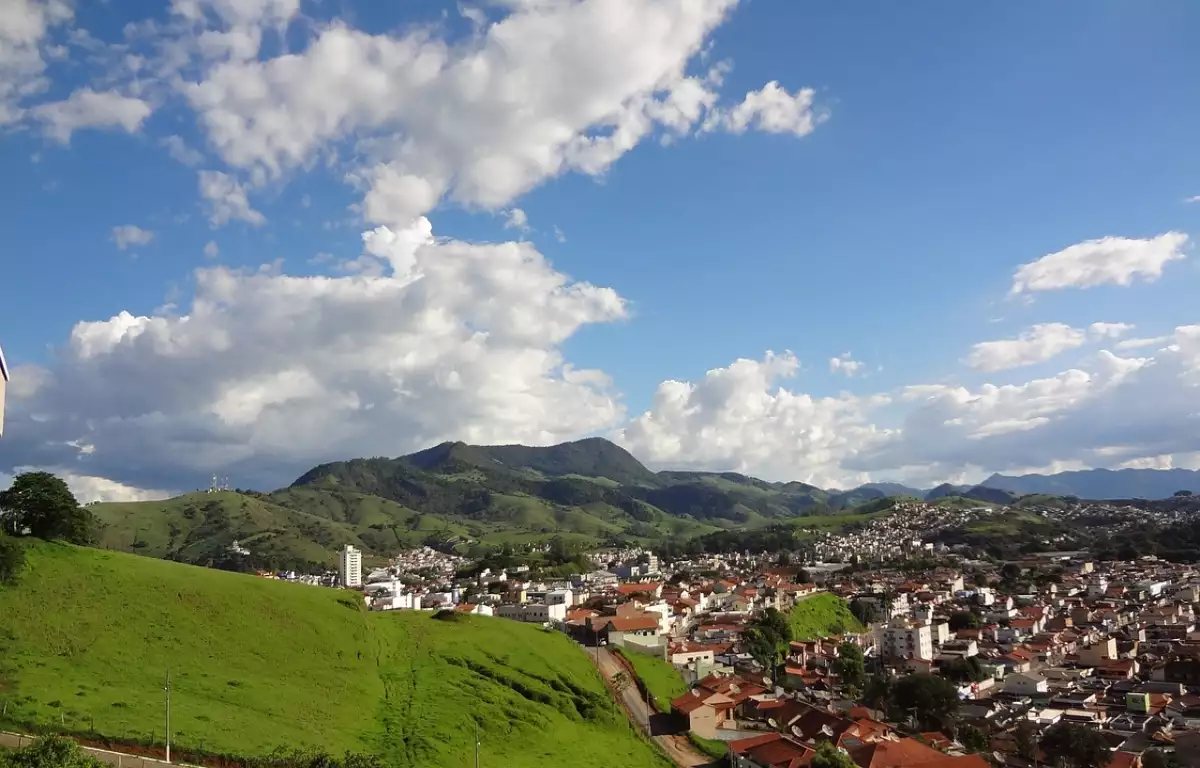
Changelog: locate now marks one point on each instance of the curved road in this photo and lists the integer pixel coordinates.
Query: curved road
(677, 747)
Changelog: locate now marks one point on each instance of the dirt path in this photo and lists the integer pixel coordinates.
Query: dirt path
(677, 747)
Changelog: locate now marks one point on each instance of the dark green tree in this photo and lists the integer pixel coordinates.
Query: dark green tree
(12, 559)
(932, 700)
(49, 752)
(1075, 746)
(866, 611)
(963, 620)
(879, 691)
(850, 666)
(1026, 737)
(829, 756)
(1157, 758)
(972, 738)
(43, 505)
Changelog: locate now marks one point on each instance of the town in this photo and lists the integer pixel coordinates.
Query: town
(882, 645)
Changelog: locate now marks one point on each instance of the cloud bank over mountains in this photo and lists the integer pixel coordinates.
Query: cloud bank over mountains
(425, 337)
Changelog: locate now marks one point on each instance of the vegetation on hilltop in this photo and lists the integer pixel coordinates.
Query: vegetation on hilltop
(257, 664)
(822, 615)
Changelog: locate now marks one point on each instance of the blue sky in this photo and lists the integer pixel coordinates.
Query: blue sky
(941, 147)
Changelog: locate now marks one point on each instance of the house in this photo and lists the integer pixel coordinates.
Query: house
(1025, 684)
(769, 751)
(711, 704)
(910, 753)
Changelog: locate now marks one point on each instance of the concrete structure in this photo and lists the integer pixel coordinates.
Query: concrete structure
(350, 567)
(905, 640)
(3, 387)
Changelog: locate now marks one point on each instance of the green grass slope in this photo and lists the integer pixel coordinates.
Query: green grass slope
(86, 637)
(822, 615)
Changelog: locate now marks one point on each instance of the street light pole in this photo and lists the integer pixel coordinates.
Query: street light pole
(476, 744)
(167, 688)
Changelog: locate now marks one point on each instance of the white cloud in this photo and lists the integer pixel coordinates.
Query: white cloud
(559, 235)
(1155, 341)
(266, 374)
(1193, 199)
(1035, 344)
(738, 418)
(1107, 261)
(550, 88)
(845, 364)
(128, 235)
(25, 26)
(515, 218)
(211, 249)
(87, 488)
(228, 200)
(770, 109)
(181, 152)
(86, 108)
(1099, 331)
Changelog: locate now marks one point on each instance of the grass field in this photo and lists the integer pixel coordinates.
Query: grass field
(822, 615)
(659, 677)
(87, 636)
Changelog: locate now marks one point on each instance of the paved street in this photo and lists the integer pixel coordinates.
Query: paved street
(677, 747)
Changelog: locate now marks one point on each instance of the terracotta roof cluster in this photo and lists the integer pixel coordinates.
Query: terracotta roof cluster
(721, 692)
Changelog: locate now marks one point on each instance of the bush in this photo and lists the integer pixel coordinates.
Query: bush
(12, 559)
(448, 614)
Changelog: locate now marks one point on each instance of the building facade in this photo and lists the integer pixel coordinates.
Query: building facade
(904, 640)
(350, 567)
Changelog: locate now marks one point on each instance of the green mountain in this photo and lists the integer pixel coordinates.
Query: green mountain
(589, 491)
(87, 637)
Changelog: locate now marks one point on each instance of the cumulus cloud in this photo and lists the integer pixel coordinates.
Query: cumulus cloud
(515, 218)
(739, 418)
(181, 152)
(211, 249)
(845, 364)
(266, 374)
(770, 109)
(1107, 261)
(129, 235)
(88, 489)
(227, 199)
(25, 28)
(86, 108)
(548, 88)
(1109, 330)
(1035, 344)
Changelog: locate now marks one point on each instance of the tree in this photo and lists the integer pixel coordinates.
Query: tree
(972, 738)
(849, 665)
(43, 504)
(1075, 746)
(963, 620)
(879, 691)
(765, 638)
(49, 752)
(1182, 493)
(931, 699)
(1026, 737)
(1010, 572)
(866, 611)
(829, 756)
(968, 670)
(1157, 758)
(12, 559)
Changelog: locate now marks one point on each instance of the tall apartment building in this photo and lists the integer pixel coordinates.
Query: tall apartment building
(3, 387)
(908, 640)
(350, 567)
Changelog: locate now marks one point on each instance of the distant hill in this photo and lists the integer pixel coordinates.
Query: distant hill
(1102, 483)
(980, 493)
(87, 636)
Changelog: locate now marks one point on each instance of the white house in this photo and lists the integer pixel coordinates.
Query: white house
(1026, 685)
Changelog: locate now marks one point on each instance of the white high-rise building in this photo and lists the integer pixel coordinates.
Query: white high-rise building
(3, 387)
(350, 567)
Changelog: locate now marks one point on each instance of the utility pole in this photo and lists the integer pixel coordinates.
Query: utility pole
(167, 688)
(476, 744)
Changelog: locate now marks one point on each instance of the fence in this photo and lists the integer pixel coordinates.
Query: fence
(18, 740)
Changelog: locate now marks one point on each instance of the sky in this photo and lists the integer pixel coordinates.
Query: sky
(831, 241)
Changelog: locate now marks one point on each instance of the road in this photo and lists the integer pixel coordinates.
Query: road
(677, 747)
(119, 759)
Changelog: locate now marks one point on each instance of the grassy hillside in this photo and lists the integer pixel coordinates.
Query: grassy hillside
(87, 636)
(822, 615)
(659, 677)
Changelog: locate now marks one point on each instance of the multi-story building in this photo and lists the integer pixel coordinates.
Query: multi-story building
(350, 567)
(3, 387)
(908, 640)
